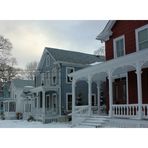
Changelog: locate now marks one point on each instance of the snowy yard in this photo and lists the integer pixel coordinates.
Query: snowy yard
(34, 124)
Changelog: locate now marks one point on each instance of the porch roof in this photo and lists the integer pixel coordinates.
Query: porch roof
(115, 66)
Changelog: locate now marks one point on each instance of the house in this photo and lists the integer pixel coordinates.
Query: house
(13, 103)
(124, 73)
(52, 94)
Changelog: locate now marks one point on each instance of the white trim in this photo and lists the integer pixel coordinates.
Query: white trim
(67, 100)
(136, 34)
(68, 74)
(114, 45)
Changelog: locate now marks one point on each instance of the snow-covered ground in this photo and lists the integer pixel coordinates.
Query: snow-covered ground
(34, 124)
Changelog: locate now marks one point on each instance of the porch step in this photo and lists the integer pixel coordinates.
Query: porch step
(94, 122)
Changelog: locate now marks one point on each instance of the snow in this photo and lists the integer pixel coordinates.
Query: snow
(33, 124)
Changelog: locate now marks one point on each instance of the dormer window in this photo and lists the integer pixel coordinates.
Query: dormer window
(47, 61)
(142, 37)
(119, 46)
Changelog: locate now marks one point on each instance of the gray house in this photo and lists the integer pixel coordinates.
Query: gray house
(52, 94)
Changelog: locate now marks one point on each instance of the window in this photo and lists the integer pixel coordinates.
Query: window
(68, 71)
(54, 97)
(142, 37)
(42, 78)
(47, 61)
(35, 102)
(69, 102)
(6, 106)
(119, 46)
(54, 76)
(12, 107)
(47, 78)
(27, 107)
(94, 101)
(41, 99)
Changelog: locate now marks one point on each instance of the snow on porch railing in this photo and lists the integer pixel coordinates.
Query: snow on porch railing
(125, 110)
(81, 110)
(145, 110)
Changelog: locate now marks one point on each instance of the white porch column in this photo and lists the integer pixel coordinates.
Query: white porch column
(139, 87)
(98, 89)
(73, 95)
(110, 93)
(43, 105)
(89, 93)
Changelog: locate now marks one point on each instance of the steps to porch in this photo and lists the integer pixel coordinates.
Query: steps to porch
(93, 122)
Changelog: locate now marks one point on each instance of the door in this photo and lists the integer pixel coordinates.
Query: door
(119, 91)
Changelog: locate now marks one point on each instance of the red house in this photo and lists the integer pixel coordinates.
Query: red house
(125, 71)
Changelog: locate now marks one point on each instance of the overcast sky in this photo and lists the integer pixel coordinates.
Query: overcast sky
(30, 37)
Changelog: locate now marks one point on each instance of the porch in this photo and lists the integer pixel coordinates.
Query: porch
(45, 103)
(109, 72)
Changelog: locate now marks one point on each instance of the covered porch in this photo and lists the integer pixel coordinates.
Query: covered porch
(45, 103)
(112, 72)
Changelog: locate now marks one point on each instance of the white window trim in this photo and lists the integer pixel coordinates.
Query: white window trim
(114, 45)
(67, 74)
(67, 100)
(136, 34)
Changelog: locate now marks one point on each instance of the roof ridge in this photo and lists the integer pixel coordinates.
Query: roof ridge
(70, 51)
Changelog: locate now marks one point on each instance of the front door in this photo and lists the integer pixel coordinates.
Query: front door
(119, 91)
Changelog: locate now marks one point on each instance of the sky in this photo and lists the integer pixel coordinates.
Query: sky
(30, 37)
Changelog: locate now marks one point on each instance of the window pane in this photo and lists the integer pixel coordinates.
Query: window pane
(12, 107)
(120, 48)
(143, 45)
(143, 35)
(69, 102)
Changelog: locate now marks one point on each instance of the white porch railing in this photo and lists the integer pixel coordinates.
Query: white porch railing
(82, 110)
(125, 110)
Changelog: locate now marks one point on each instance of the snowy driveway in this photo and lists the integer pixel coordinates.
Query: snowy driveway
(26, 124)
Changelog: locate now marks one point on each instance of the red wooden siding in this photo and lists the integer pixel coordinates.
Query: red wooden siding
(126, 28)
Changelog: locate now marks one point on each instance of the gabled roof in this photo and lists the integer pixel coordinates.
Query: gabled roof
(61, 55)
(106, 33)
(21, 83)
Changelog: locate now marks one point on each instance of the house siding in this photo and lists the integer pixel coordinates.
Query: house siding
(126, 28)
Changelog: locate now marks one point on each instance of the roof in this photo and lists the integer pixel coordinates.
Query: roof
(106, 33)
(73, 57)
(21, 83)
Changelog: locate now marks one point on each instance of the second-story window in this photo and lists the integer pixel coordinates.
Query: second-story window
(68, 71)
(54, 76)
(119, 46)
(42, 78)
(143, 38)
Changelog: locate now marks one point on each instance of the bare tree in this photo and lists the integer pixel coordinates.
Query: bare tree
(30, 70)
(100, 51)
(7, 62)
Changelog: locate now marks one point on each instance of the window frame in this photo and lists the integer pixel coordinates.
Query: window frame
(67, 68)
(67, 94)
(114, 45)
(136, 34)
